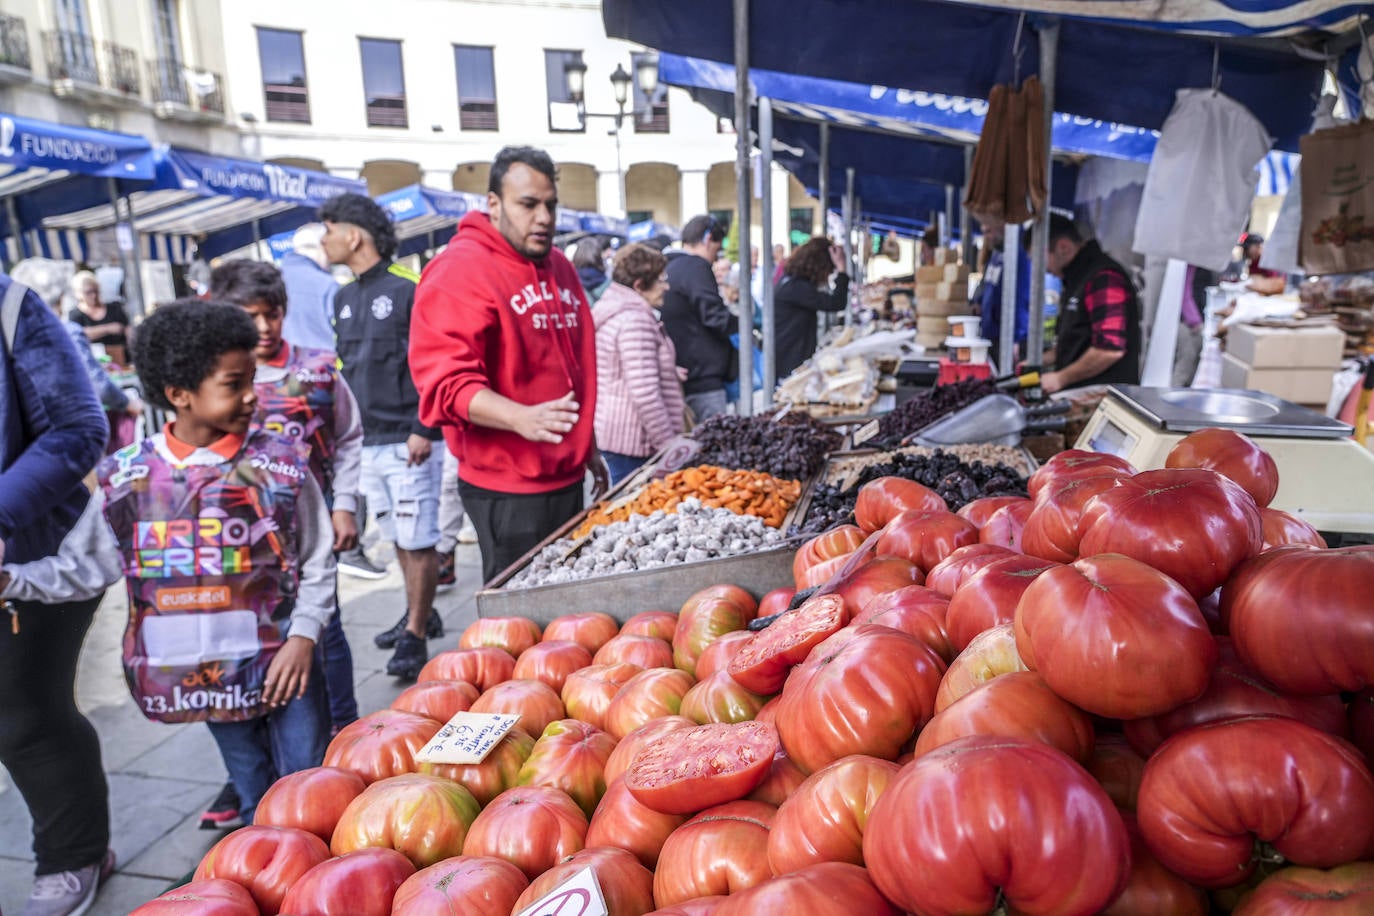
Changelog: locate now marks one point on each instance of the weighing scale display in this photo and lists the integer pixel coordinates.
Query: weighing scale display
(1113, 440)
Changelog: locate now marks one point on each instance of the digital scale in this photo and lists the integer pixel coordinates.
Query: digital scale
(1325, 477)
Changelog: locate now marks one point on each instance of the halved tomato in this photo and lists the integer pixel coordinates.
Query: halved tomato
(762, 664)
(695, 768)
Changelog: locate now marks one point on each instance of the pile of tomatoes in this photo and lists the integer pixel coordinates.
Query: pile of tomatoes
(1131, 693)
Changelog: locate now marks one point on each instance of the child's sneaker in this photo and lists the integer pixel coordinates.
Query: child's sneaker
(410, 657)
(223, 813)
(68, 893)
(387, 638)
(357, 564)
(448, 576)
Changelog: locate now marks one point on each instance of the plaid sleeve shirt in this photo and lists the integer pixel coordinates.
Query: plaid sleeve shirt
(1104, 300)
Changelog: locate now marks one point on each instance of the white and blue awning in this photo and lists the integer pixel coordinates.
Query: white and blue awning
(426, 218)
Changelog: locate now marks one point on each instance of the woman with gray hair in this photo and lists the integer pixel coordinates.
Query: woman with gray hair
(103, 323)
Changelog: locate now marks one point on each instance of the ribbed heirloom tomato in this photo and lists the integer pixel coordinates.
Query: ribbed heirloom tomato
(483, 667)
(1007, 525)
(210, 897)
(531, 827)
(312, 800)
(817, 890)
(265, 860)
(1051, 531)
(980, 510)
(1018, 704)
(710, 613)
(1073, 464)
(1347, 890)
(570, 755)
(877, 576)
(644, 651)
(990, 654)
(990, 819)
(627, 887)
(587, 693)
(723, 850)
(988, 598)
(440, 700)
(784, 777)
(879, 501)
(825, 818)
(720, 698)
(514, 634)
(495, 774)
(382, 744)
(362, 883)
(649, 695)
(461, 886)
(1152, 888)
(658, 624)
(950, 573)
(534, 702)
(622, 821)
(1232, 455)
(1283, 529)
(1118, 769)
(717, 655)
(425, 818)
(915, 610)
(590, 630)
(551, 662)
(926, 538)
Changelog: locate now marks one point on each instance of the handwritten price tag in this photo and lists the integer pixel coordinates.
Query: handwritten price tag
(467, 738)
(865, 432)
(580, 895)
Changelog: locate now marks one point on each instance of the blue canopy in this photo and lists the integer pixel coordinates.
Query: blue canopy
(570, 221)
(649, 229)
(1122, 64)
(427, 217)
(227, 203)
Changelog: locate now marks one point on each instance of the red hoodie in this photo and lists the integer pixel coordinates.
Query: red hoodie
(487, 317)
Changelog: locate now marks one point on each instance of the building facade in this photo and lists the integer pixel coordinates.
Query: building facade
(394, 93)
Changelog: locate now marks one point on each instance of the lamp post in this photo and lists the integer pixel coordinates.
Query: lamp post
(645, 76)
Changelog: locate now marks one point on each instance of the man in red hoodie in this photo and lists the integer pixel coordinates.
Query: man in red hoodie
(503, 353)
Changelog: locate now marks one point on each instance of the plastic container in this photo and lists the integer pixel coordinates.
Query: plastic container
(970, 350)
(967, 326)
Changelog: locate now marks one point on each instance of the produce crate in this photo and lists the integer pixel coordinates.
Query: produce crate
(625, 594)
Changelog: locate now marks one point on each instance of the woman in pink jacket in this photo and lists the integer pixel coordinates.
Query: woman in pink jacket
(639, 396)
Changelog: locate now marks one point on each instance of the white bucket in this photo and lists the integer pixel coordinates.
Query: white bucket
(970, 350)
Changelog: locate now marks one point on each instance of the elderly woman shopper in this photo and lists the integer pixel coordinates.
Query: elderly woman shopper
(803, 291)
(104, 323)
(639, 397)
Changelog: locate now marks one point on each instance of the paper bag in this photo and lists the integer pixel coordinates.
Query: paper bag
(1338, 199)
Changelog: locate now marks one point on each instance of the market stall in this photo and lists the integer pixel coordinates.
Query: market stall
(426, 218)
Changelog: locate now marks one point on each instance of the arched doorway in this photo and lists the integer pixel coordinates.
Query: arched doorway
(383, 175)
(577, 186)
(653, 190)
(720, 191)
(299, 162)
(471, 177)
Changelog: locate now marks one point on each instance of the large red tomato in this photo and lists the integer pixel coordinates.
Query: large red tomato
(1115, 637)
(1075, 463)
(720, 698)
(649, 695)
(210, 897)
(776, 601)
(627, 887)
(988, 598)
(694, 768)
(588, 693)
(1300, 617)
(382, 744)
(362, 883)
(709, 614)
(440, 700)
(876, 577)
(782, 780)
(1152, 888)
(879, 501)
(425, 818)
(817, 890)
(514, 634)
(531, 827)
(1051, 531)
(482, 667)
(571, 756)
(1361, 717)
(1193, 525)
(697, 906)
(820, 573)
(620, 820)
(762, 664)
(461, 886)
(311, 800)
(1118, 769)
(1233, 456)
(863, 691)
(495, 774)
(980, 510)
(825, 818)
(1347, 890)
(989, 819)
(1235, 691)
(1211, 792)
(840, 541)
(991, 653)
(1282, 529)
(265, 860)
(644, 651)
(723, 850)
(551, 662)
(658, 624)
(926, 538)
(718, 654)
(1007, 526)
(637, 740)
(950, 573)
(534, 702)
(914, 609)
(1019, 705)
(590, 630)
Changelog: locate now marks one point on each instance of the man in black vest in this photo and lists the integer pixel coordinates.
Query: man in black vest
(1098, 338)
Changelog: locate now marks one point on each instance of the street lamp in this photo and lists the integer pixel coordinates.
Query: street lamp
(645, 76)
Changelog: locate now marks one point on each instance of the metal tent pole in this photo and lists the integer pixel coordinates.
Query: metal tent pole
(848, 213)
(743, 192)
(948, 235)
(1011, 268)
(1049, 57)
(257, 241)
(824, 183)
(770, 361)
(12, 214)
(134, 277)
(965, 221)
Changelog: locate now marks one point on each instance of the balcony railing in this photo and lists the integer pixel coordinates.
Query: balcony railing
(386, 111)
(81, 59)
(477, 116)
(196, 89)
(287, 102)
(14, 43)
(655, 123)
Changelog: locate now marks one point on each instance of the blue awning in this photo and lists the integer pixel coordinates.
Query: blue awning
(427, 217)
(570, 221)
(224, 201)
(649, 229)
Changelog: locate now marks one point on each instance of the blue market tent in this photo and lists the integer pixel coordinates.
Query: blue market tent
(225, 203)
(649, 229)
(582, 221)
(48, 168)
(427, 217)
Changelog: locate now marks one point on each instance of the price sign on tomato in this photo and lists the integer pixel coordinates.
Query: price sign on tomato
(467, 738)
(580, 895)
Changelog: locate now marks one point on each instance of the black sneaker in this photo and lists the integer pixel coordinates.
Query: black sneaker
(355, 563)
(410, 657)
(448, 577)
(388, 637)
(223, 813)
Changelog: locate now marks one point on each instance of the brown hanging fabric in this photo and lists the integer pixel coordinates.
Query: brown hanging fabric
(1036, 154)
(1017, 184)
(987, 180)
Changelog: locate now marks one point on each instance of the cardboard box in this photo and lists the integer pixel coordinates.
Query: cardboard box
(956, 273)
(1301, 386)
(932, 324)
(941, 307)
(1311, 347)
(930, 274)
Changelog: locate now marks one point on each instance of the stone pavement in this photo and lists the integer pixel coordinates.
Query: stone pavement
(162, 776)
